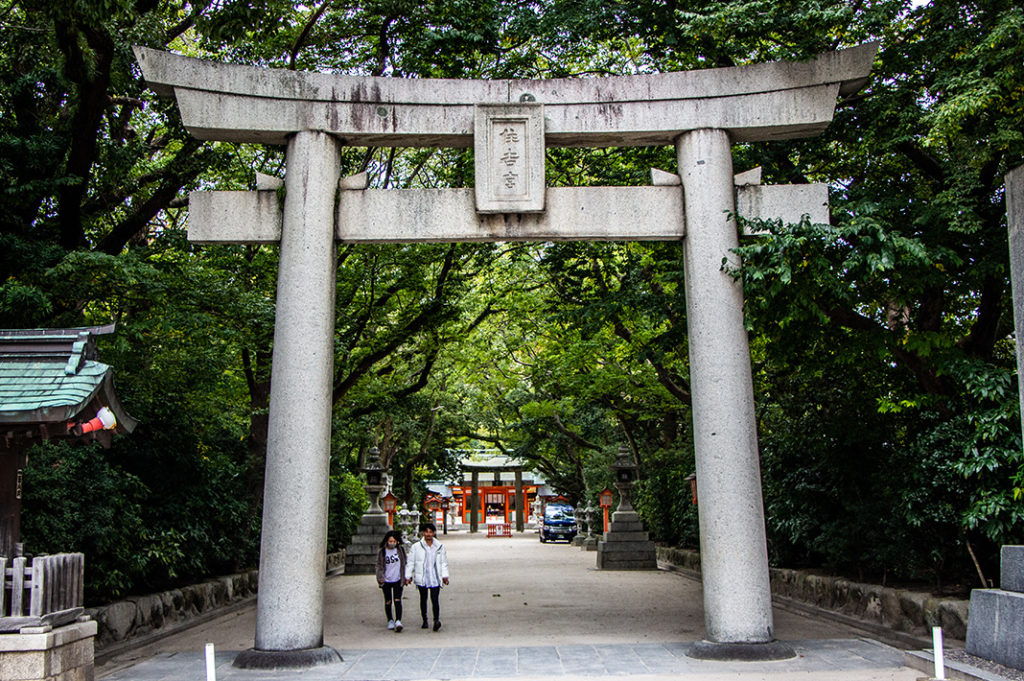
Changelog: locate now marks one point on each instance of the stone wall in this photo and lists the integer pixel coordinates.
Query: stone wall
(141, 616)
(900, 610)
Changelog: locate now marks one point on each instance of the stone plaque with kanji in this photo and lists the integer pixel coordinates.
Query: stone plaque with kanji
(508, 141)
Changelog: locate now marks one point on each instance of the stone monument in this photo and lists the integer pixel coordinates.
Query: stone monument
(509, 123)
(626, 545)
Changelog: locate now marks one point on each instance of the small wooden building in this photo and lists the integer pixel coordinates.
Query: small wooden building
(51, 387)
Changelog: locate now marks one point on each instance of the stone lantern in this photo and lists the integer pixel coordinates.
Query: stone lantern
(361, 553)
(374, 480)
(625, 477)
(626, 545)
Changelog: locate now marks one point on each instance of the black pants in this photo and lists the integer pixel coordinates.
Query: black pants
(392, 592)
(434, 591)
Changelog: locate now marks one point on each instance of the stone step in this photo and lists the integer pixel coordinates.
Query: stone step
(616, 536)
(625, 527)
(606, 562)
(621, 548)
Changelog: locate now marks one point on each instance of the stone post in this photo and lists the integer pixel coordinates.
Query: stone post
(289, 612)
(734, 558)
(1015, 226)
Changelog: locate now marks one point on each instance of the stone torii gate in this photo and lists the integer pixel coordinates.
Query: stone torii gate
(509, 123)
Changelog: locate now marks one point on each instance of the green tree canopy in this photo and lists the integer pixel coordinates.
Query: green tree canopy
(882, 343)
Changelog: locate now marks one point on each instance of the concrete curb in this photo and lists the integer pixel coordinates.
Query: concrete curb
(924, 660)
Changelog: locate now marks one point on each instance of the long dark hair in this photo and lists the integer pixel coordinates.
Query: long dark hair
(388, 535)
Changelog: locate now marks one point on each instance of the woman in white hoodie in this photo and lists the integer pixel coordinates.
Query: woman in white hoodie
(428, 567)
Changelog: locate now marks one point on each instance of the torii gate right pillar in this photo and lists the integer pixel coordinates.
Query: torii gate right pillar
(734, 561)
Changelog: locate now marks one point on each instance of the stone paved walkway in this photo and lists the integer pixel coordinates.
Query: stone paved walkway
(817, 659)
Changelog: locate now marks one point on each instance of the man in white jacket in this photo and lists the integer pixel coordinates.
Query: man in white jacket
(428, 567)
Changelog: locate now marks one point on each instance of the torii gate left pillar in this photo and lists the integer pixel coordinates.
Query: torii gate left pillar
(289, 610)
(701, 112)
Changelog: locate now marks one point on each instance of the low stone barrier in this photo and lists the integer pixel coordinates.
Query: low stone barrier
(143, 618)
(912, 612)
(143, 615)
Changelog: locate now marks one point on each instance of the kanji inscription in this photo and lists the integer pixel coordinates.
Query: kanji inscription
(509, 146)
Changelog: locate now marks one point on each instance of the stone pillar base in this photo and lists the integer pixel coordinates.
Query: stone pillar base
(286, 659)
(45, 654)
(626, 545)
(361, 554)
(590, 544)
(995, 626)
(741, 652)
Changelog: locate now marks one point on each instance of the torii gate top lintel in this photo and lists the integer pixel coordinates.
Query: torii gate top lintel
(777, 100)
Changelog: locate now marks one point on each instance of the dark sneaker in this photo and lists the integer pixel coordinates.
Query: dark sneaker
(437, 625)
(424, 625)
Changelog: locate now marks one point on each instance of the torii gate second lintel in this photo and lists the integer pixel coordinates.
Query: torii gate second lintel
(702, 113)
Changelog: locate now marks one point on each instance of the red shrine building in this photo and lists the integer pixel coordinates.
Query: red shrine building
(493, 489)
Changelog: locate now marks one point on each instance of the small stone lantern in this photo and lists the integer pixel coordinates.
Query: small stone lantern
(403, 524)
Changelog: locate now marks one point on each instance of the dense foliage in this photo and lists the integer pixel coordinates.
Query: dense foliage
(882, 344)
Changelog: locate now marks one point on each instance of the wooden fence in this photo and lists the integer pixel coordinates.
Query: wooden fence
(49, 590)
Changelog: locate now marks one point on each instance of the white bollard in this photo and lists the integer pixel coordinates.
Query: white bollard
(940, 664)
(211, 667)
